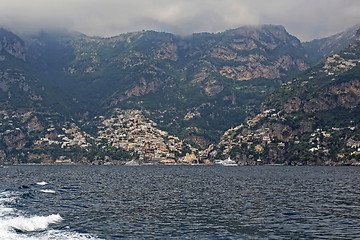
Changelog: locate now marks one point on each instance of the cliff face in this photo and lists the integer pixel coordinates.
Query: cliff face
(241, 54)
(338, 84)
(170, 76)
(11, 44)
(313, 119)
(357, 35)
(19, 87)
(260, 52)
(319, 49)
(195, 87)
(345, 95)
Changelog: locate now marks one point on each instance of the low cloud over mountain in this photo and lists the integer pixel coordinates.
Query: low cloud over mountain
(107, 18)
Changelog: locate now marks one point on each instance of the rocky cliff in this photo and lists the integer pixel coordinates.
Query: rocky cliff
(58, 91)
(313, 119)
(11, 44)
(319, 49)
(222, 75)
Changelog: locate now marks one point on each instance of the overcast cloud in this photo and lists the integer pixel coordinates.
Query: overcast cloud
(306, 19)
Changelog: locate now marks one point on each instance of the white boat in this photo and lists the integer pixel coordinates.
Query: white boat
(132, 163)
(227, 162)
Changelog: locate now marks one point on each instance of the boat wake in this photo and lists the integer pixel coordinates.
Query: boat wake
(28, 224)
(41, 183)
(47, 191)
(18, 225)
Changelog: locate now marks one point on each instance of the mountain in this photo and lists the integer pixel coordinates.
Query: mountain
(23, 87)
(319, 49)
(16, 89)
(313, 119)
(149, 95)
(197, 85)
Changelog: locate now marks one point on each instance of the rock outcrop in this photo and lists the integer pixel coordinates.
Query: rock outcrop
(12, 44)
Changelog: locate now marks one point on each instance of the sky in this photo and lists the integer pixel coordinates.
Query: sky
(305, 19)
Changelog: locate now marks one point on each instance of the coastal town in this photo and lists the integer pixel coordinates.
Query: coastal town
(127, 130)
(122, 135)
(254, 139)
(130, 130)
(273, 133)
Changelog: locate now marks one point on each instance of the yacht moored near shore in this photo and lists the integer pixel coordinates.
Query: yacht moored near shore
(132, 163)
(227, 162)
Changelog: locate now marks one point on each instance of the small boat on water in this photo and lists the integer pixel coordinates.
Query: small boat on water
(132, 163)
(227, 162)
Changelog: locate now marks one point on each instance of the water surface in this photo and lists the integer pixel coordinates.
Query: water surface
(177, 202)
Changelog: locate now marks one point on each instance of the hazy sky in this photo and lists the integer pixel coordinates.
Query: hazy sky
(306, 19)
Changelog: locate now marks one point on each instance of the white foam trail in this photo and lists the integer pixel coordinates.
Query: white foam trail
(65, 235)
(36, 223)
(35, 228)
(31, 228)
(42, 183)
(47, 191)
(6, 198)
(4, 211)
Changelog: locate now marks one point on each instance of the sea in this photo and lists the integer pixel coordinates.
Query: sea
(179, 202)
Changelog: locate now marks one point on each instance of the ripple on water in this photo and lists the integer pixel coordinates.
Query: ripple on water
(263, 202)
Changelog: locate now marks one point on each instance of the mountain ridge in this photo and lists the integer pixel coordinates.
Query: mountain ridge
(201, 61)
(193, 87)
(311, 120)
(329, 45)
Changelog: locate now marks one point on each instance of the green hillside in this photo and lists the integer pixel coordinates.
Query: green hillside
(313, 119)
(198, 85)
(158, 97)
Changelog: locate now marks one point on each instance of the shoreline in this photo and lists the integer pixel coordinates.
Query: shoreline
(141, 165)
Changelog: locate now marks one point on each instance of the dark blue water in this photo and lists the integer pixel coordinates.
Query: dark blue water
(178, 202)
